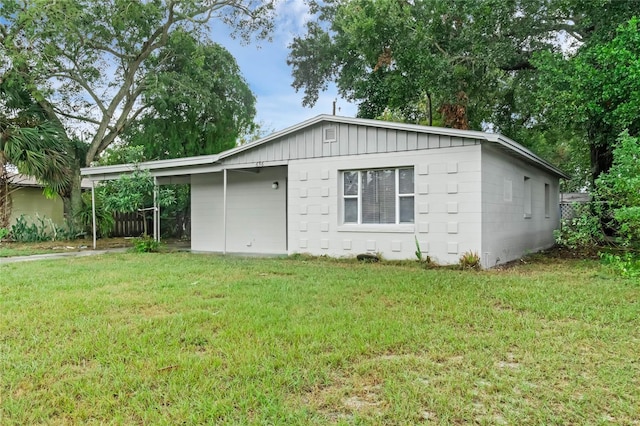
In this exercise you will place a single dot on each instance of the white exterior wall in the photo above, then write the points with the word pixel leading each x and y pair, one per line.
pixel 256 213
pixel 206 212
pixel 447 203
pixel 507 233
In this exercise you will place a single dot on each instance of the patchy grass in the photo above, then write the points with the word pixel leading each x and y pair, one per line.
pixel 9 248
pixel 193 339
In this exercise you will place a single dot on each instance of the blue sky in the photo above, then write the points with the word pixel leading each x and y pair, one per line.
pixel 264 66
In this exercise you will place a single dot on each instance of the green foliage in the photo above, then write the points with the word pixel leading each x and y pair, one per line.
pixel 418 250
pixel 212 107
pixel 626 265
pixel 29 231
pixel 597 91
pixel 133 192
pixel 3 233
pixel 30 141
pixel 484 64
pixel 583 233
pixel 620 189
pixel 103 55
pixel 104 217
pixel 146 244
pixel 470 260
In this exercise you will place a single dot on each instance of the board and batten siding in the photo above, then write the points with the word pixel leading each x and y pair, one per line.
pixel 447 206
pixel 350 140
pixel 507 232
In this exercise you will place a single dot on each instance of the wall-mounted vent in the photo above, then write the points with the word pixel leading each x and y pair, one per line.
pixel 330 134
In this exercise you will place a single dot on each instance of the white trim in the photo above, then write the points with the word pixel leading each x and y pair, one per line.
pixel 224 211
pixel 93 213
pixel 181 165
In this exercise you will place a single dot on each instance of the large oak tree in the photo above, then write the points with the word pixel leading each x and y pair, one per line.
pixel 87 63
pixel 472 62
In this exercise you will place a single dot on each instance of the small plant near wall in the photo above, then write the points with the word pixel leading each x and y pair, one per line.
pixel 418 250
pixel 3 233
pixel 423 259
pixel 470 260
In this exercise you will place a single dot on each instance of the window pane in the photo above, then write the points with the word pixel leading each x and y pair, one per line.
pixel 378 196
pixel 350 210
pixel 406 181
pixel 406 210
pixel 350 183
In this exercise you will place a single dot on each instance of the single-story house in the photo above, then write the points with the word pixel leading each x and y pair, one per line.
pixel 342 186
pixel 27 198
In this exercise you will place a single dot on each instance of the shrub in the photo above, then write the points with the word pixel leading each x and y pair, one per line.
pixel 627 265
pixel 25 231
pixel 582 233
pixel 620 188
pixel 3 233
pixel 104 217
pixel 146 244
pixel 470 260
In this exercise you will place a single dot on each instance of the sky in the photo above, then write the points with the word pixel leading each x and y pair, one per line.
pixel 264 67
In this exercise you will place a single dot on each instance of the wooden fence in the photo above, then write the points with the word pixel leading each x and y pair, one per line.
pixel 130 225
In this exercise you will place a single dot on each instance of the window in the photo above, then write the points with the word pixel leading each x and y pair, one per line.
pixel 547 200
pixel 527 197
pixel 384 196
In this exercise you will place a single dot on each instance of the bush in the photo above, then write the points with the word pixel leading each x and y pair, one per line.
pixel 627 265
pixel 620 188
pixel 146 244
pixel 24 231
pixel 3 233
pixel 105 221
pixel 582 233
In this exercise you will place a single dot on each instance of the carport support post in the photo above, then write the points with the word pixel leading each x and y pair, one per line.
pixel 224 211
pixel 156 210
pixel 93 211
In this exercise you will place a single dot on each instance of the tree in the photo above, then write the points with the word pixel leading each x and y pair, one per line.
pixel 87 63
pixel 134 192
pixel 475 60
pixel 199 103
pixel 29 142
pixel 619 188
pixel 597 91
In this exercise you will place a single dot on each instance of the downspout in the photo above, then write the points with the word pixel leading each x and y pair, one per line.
pixel 224 211
pixel 93 211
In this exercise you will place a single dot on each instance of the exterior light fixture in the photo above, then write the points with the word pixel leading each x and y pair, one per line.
pixel 274 185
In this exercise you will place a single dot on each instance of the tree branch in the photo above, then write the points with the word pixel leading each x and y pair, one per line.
pixel 76 117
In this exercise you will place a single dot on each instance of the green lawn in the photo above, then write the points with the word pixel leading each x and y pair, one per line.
pixel 193 339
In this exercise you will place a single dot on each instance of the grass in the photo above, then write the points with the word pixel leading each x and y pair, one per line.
pixel 10 248
pixel 193 339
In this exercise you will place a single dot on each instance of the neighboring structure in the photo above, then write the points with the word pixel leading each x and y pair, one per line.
pixel 571 204
pixel 28 199
pixel 342 186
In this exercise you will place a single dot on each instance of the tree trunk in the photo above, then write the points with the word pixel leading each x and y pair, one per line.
pixel 5 198
pixel 72 198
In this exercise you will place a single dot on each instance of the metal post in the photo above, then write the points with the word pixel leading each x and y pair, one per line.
pixel 93 212
pixel 224 211
pixel 155 208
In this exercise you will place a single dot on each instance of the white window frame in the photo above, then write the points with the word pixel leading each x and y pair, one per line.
pixel 527 197
pixel 398 196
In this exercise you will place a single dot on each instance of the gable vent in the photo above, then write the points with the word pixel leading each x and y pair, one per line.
pixel 329 134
